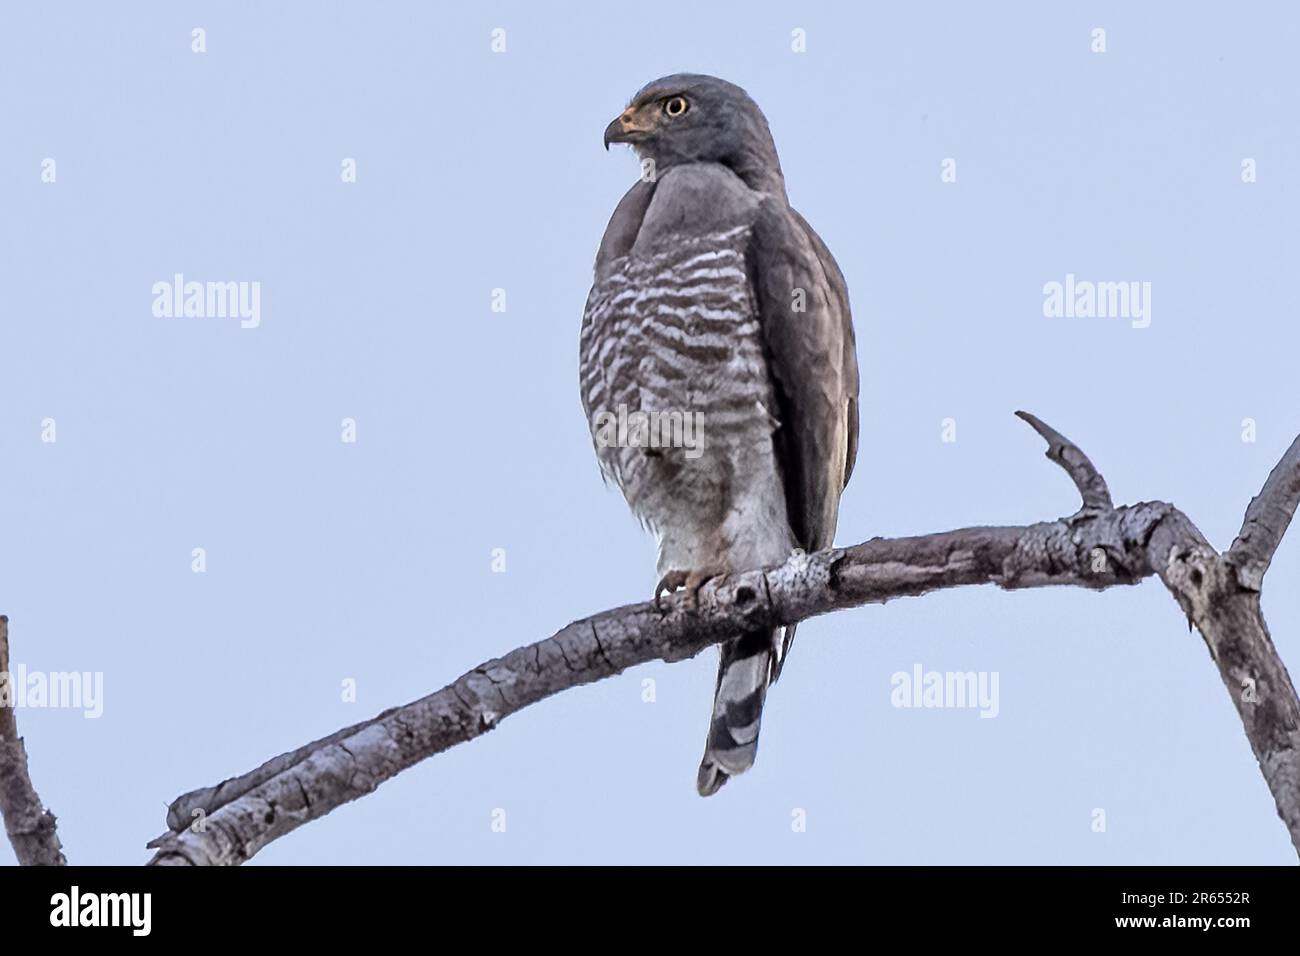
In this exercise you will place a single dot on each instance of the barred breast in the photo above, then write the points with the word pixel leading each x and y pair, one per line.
pixel 673 334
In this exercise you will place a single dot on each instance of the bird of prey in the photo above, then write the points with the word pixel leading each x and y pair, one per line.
pixel 717 305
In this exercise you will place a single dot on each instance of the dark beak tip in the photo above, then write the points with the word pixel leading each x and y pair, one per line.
pixel 615 133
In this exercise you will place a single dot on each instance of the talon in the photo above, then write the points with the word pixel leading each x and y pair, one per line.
pixel 668 583
pixel 692 581
pixel 697 579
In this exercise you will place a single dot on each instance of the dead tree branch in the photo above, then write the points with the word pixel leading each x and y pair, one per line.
pixel 1098 547
pixel 31 828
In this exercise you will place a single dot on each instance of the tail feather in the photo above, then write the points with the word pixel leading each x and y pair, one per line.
pixel 787 641
pixel 744 672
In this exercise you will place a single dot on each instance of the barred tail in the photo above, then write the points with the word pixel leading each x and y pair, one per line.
pixel 743 675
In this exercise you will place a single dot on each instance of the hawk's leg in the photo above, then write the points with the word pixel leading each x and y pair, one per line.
pixel 692 581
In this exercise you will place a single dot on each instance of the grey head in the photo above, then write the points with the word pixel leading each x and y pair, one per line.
pixel 693 118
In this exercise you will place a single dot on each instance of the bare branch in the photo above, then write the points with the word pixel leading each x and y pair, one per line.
pixel 1267 518
pixel 187 808
pixel 1098 547
pixel 31 828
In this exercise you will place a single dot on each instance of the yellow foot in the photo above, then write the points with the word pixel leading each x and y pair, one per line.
pixel 692 581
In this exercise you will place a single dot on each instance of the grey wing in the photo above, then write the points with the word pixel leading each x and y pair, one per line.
pixel 803 308
pixel 840 290
pixel 624 225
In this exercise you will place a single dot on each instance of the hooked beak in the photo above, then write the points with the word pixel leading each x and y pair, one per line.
pixel 624 129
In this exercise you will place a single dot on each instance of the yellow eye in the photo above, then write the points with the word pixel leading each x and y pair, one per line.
pixel 675 106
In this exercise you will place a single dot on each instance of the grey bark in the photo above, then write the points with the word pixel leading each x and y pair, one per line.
pixel 1100 546
pixel 32 830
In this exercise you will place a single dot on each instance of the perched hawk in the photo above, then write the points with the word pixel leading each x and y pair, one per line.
pixel 718 369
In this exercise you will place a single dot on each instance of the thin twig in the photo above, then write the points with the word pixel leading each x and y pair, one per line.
pixel 1092 487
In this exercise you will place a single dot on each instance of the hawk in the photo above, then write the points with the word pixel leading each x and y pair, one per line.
pixel 716 307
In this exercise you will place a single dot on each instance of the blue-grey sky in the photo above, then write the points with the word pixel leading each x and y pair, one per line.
pixel 372 561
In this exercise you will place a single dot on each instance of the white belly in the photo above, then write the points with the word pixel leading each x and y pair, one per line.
pixel 681 403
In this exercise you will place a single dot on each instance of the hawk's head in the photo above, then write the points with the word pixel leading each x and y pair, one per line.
pixel 690 118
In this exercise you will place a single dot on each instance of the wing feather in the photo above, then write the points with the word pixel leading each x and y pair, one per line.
pixel 808 331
